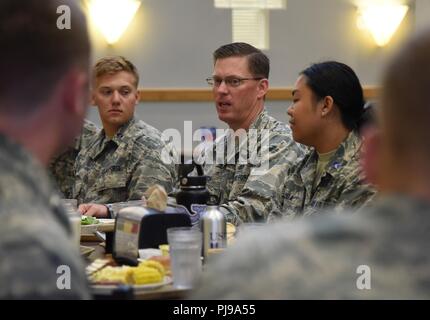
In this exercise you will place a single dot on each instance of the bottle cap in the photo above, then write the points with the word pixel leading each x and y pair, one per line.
pixel 193 181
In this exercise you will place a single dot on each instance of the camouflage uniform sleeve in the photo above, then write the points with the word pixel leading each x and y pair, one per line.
pixel 151 169
pixel 356 194
pixel 44 277
pixel 171 157
pixel 289 261
pixel 62 171
pixel 274 268
pixel 263 191
pixel 63 166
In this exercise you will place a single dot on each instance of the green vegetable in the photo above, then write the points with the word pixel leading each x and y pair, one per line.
pixel 86 220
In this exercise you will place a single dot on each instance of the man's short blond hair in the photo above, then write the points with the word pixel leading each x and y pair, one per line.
pixel 115 64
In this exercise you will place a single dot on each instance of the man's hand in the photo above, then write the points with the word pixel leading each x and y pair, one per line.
pixel 93 209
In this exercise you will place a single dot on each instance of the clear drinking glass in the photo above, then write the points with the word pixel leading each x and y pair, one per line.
pixel 185 246
pixel 117 206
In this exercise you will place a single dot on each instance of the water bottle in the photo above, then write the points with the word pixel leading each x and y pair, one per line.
pixel 214 228
pixel 193 194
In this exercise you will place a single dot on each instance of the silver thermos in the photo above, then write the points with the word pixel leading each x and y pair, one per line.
pixel 214 228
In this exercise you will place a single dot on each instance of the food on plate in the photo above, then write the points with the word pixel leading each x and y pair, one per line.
pixel 153 265
pixel 113 275
pixel 163 260
pixel 96 265
pixel 146 275
pixel 147 272
pixel 87 220
pixel 164 249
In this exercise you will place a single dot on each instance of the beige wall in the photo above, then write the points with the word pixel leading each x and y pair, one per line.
pixel 171 42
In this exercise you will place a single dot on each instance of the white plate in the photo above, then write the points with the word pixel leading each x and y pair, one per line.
pixel 145 254
pixel 104 225
pixel 106 288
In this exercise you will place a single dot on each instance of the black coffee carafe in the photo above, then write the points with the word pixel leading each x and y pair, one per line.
pixel 193 194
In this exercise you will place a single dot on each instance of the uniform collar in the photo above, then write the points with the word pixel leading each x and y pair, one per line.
pixel 102 140
pixel 348 150
pixel 123 131
pixel 258 124
pixel 260 121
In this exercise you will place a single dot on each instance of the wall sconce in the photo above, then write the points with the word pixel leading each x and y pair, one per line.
pixel 381 19
pixel 250 19
pixel 112 17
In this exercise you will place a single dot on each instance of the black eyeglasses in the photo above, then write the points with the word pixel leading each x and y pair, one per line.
pixel 229 81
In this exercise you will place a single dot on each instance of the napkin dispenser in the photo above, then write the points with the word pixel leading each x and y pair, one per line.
pixel 142 227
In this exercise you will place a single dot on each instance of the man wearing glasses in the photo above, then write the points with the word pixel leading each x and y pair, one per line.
pixel 240 83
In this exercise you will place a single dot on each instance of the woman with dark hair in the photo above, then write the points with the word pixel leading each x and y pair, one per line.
pixel 325 115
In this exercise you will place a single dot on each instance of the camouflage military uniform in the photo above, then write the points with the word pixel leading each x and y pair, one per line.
pixel 341 185
pixel 327 257
pixel 62 167
pixel 122 168
pixel 244 189
pixel 35 235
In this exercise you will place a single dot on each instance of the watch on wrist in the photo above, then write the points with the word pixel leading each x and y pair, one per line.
pixel 111 213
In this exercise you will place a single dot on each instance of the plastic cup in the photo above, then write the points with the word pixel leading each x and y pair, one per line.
pixel 71 206
pixel 117 206
pixel 185 246
pixel 75 221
